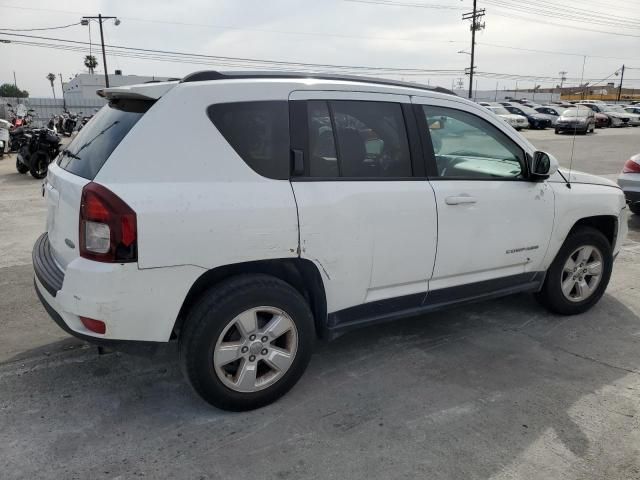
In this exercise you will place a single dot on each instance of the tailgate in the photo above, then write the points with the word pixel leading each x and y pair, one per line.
pixel 63 192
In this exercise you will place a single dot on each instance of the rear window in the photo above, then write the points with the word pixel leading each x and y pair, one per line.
pixel 258 132
pixel 86 154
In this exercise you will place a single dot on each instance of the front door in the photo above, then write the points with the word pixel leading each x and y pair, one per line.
pixel 366 211
pixel 493 222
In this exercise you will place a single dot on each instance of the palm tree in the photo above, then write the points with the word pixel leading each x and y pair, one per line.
pixel 51 77
pixel 90 62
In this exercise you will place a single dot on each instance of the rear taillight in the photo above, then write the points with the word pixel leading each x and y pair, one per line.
pixel 108 231
pixel 94 325
pixel 632 165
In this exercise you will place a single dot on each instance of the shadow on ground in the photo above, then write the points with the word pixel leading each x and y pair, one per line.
pixel 468 393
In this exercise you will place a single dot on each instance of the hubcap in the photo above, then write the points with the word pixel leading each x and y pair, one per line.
pixel 255 349
pixel 582 273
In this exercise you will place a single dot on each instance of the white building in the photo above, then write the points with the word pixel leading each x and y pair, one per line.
pixel 84 85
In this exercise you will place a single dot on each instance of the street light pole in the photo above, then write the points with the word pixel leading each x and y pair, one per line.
pixel 100 19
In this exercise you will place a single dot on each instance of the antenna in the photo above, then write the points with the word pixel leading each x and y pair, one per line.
pixel 573 142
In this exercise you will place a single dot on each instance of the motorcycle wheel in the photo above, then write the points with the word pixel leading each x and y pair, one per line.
pixel 39 166
pixel 21 167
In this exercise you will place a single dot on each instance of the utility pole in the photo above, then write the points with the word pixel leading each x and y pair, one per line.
pixel 15 84
pixel 474 16
pixel 562 79
pixel 64 102
pixel 621 79
pixel 100 19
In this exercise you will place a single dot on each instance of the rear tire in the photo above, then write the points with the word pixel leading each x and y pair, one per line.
pixel 213 328
pixel 21 167
pixel 568 301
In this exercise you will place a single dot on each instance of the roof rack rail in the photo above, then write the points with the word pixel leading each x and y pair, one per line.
pixel 205 75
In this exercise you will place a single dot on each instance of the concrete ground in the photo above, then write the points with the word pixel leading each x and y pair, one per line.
pixel 494 390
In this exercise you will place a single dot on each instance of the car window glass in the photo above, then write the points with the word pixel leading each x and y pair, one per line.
pixel 357 139
pixel 323 159
pixel 469 147
pixel 258 132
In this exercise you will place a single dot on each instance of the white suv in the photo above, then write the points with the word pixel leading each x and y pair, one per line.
pixel 292 207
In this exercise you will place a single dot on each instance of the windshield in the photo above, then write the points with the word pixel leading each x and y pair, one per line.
pixel 86 154
pixel 499 110
pixel 615 108
pixel 574 112
pixel 527 110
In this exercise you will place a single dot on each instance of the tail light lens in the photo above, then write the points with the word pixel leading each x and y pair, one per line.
pixel 632 165
pixel 94 325
pixel 108 226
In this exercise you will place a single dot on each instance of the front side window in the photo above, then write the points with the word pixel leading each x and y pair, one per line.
pixel 357 139
pixel 258 132
pixel 466 146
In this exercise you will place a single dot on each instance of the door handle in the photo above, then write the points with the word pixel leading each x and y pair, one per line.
pixel 459 200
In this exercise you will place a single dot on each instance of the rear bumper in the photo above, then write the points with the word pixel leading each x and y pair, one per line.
pixel 630 184
pixel 139 305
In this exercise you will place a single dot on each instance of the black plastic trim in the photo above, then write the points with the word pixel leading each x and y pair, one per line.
pixel 206 75
pixel 129 346
pixel 631 197
pixel 411 305
pixel 45 267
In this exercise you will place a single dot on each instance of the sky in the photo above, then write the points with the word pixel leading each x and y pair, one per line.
pixel 410 34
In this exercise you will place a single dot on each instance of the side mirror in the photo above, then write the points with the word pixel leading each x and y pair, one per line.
pixel 542 165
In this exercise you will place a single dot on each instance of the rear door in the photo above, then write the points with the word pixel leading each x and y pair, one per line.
pixel 367 214
pixel 78 165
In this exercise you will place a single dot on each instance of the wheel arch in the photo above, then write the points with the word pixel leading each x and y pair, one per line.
pixel 300 273
pixel 605 224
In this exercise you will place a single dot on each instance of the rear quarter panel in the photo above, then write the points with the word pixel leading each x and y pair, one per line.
pixel 197 202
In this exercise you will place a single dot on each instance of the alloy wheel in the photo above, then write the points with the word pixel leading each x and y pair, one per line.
pixel 255 349
pixel 582 273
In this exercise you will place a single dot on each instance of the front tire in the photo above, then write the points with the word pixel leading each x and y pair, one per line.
pixel 579 274
pixel 40 166
pixel 247 342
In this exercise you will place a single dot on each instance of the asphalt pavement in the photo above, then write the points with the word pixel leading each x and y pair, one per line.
pixel 495 390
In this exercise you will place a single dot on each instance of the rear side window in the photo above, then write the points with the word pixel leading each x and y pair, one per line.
pixel 86 154
pixel 357 139
pixel 258 132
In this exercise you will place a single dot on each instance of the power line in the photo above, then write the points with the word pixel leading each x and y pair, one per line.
pixel 42 28
pixel 398 4
pixel 551 52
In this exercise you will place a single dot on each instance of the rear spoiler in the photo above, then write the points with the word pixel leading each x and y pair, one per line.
pixel 143 91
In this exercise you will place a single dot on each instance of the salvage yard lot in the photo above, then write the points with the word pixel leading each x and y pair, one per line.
pixel 500 389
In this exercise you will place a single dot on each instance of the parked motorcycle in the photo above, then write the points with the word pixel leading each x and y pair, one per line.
pixel 4 137
pixel 35 156
pixel 18 137
pixel 20 116
pixel 66 123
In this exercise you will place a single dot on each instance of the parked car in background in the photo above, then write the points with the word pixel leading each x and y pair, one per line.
pixel 266 237
pixel 629 181
pixel 516 121
pixel 632 109
pixel 634 118
pixel 601 119
pixel 576 120
pixel 616 119
pixel 554 110
pixel 537 120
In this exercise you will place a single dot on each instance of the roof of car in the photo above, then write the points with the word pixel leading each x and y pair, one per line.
pixel 206 75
